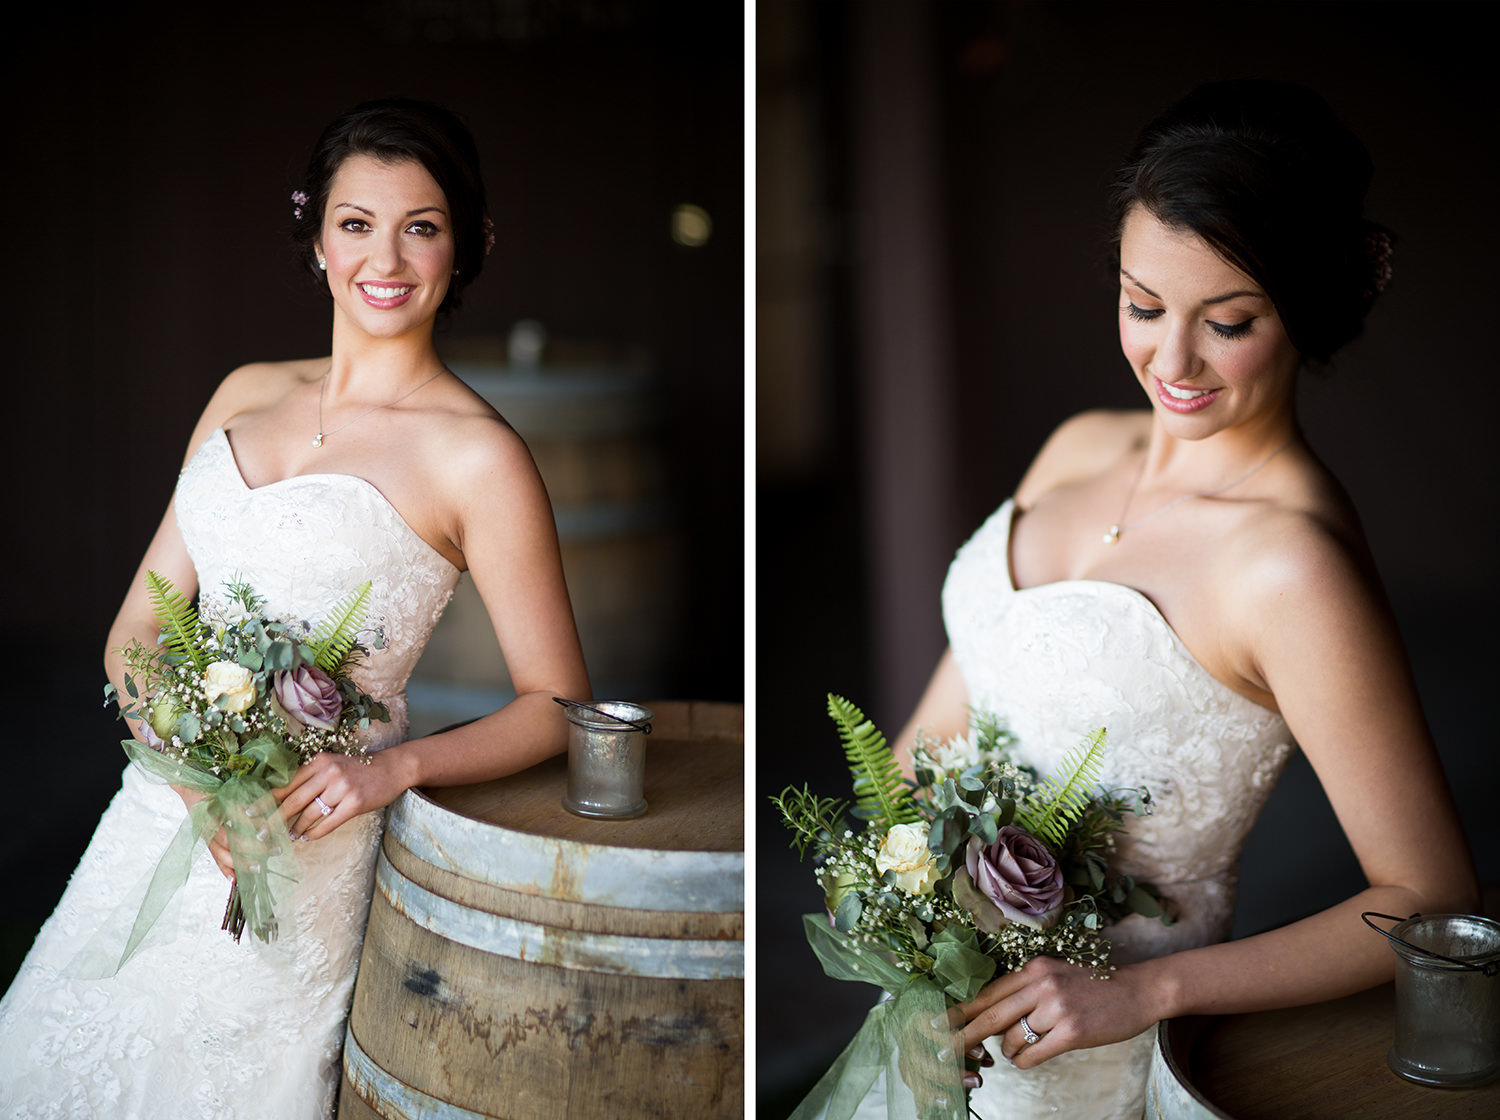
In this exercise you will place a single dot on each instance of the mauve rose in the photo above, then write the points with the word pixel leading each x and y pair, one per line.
pixel 1019 874
pixel 308 695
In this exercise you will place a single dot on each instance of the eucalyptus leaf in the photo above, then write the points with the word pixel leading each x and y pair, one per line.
pixel 1143 903
pixel 847 916
pixel 986 827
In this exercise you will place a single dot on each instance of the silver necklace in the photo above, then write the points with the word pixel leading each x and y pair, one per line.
pixel 1115 530
pixel 318 439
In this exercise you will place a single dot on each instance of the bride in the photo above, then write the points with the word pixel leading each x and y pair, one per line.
pixel 1192 578
pixel 305 478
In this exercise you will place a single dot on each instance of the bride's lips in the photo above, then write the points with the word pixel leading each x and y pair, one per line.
pixel 385 296
pixel 1184 398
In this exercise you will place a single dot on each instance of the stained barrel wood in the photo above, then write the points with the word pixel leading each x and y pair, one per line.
pixel 1325 1059
pixel 523 963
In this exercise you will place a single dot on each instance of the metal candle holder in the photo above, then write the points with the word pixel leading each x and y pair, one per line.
pixel 606 758
pixel 1447 998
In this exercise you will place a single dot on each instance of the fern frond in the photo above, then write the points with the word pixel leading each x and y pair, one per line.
pixel 178 619
pixel 1058 804
pixel 336 634
pixel 881 794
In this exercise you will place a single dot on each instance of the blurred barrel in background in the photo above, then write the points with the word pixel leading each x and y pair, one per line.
pixel 593 427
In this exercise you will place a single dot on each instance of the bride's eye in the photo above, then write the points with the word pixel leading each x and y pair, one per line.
pixel 1142 314
pixel 423 229
pixel 1231 330
pixel 354 225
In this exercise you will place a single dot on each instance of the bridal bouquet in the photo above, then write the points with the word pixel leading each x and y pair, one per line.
pixel 230 706
pixel 972 869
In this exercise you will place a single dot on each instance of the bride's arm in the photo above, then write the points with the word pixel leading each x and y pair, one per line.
pixel 942 713
pixel 1320 638
pixel 505 530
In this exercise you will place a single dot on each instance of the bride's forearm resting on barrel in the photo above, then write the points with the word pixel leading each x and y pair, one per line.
pixel 1317 635
pixel 505 530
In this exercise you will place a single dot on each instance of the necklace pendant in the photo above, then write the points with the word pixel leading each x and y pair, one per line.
pixel 318 440
pixel 1113 535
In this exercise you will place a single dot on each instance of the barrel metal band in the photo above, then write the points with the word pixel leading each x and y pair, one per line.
pixel 597 874
pixel 377 1087
pixel 673 958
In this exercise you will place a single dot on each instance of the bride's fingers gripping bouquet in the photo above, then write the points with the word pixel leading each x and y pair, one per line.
pixel 329 790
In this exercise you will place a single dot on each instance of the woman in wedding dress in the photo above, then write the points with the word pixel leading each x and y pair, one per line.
pixel 306 478
pixel 1193 579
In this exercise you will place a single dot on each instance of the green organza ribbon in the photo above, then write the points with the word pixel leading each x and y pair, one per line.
pixel 905 1041
pixel 264 868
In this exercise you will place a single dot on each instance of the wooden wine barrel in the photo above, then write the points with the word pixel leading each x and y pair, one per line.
pixel 1324 1059
pixel 524 963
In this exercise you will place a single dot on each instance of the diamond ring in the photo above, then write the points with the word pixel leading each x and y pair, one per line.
pixel 325 810
pixel 1031 1035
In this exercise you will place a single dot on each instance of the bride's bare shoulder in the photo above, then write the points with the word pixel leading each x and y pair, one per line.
pixel 254 388
pixel 1083 447
pixel 258 385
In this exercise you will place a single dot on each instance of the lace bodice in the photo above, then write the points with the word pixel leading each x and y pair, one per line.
pixel 1060 660
pixel 196 1026
pixel 307 541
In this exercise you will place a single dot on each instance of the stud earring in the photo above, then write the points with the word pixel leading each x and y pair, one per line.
pixel 322 264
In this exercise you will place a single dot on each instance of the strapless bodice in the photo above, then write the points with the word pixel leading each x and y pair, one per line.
pixel 1060 660
pixel 306 542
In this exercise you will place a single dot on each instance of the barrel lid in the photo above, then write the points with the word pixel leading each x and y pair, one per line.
pixel 686 853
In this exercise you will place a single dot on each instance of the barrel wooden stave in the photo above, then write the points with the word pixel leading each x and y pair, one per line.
pixel 556 1007
pixel 537 1040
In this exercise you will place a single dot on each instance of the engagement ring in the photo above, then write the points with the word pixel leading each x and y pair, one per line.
pixel 1031 1035
pixel 322 806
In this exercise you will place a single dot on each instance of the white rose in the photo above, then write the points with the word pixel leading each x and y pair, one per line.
pixel 234 683
pixel 957 754
pixel 904 851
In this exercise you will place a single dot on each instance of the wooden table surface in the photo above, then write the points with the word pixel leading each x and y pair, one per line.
pixel 1324 1060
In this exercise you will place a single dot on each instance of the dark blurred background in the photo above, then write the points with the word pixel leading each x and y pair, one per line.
pixel 932 300
pixel 152 150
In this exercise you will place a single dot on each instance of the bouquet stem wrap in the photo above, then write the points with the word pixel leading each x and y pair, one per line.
pixel 241 804
pixel 905 1041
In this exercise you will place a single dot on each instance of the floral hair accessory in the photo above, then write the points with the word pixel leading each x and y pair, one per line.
pixel 489 236
pixel 299 200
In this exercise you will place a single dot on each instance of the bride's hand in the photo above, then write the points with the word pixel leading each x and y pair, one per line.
pixel 1065 1005
pixel 218 843
pixel 335 788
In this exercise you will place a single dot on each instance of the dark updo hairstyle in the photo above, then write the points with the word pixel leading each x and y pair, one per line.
pixel 1275 184
pixel 394 130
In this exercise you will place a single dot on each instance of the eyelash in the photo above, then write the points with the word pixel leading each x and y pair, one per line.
pixel 419 229
pixel 1230 331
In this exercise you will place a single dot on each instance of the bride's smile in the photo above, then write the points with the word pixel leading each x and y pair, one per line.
pixel 387 246
pixel 1204 340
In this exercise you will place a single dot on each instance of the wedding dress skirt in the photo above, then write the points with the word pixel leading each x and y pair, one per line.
pixel 195 1026
pixel 1057 662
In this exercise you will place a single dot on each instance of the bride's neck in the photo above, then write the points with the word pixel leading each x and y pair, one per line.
pixel 363 365
pixel 1171 462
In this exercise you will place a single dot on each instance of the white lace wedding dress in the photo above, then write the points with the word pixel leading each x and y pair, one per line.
pixel 195 1026
pixel 1058 661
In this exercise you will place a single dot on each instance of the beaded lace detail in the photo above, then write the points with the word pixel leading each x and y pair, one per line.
pixel 194 1026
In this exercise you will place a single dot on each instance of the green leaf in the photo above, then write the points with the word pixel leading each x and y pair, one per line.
pixel 1143 903
pixel 335 636
pixel 1058 805
pixel 182 631
pixel 879 789
pixel 847 916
